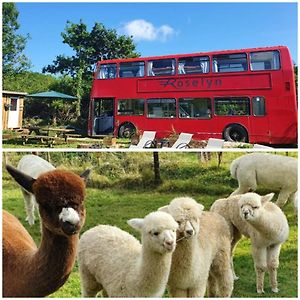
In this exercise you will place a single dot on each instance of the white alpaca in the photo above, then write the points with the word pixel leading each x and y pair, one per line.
pixel 202 255
pixel 276 172
pixel 33 166
pixel 113 261
pixel 262 221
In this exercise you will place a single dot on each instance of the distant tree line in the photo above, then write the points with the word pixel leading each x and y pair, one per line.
pixel 73 74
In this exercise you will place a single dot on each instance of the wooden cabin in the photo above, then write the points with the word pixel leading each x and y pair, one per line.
pixel 12 109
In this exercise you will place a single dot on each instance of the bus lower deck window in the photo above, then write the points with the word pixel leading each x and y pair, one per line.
pixel 161 108
pixel 232 106
pixel 258 106
pixel 131 107
pixel 199 108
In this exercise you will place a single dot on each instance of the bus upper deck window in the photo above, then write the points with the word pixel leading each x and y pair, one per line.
pixel 266 60
pixel 236 62
pixel 161 67
pixel 193 65
pixel 107 71
pixel 132 69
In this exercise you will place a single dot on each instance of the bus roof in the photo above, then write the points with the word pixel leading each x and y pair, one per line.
pixel 190 54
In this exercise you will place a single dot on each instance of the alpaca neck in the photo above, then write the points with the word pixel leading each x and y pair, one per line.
pixel 262 224
pixel 153 272
pixel 49 267
pixel 185 254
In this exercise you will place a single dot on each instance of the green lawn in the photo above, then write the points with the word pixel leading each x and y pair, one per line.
pixel 122 187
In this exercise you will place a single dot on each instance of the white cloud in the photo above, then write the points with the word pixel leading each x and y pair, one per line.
pixel 144 30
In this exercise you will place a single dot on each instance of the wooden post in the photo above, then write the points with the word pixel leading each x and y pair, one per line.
pixel 157 179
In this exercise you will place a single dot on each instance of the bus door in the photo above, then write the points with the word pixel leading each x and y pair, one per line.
pixel 103 123
pixel 260 122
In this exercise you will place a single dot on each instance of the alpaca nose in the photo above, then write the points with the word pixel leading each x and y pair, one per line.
pixel 169 245
pixel 190 232
pixel 69 228
pixel 169 242
pixel 246 213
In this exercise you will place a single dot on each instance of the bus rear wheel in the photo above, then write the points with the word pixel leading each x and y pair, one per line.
pixel 126 130
pixel 235 133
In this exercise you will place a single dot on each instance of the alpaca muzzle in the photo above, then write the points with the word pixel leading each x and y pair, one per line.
pixel 70 221
pixel 69 228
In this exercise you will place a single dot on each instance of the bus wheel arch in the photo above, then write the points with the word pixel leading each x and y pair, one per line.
pixel 126 130
pixel 235 133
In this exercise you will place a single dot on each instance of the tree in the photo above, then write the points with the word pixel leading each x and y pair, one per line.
pixel 89 47
pixel 13 44
pixel 157 178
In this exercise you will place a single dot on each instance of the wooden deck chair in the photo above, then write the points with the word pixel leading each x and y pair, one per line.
pixel 258 146
pixel 146 141
pixel 214 143
pixel 182 141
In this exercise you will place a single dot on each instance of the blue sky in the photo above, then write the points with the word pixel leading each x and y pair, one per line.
pixel 162 28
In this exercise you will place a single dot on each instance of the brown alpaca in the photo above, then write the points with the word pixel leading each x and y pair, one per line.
pixel 29 271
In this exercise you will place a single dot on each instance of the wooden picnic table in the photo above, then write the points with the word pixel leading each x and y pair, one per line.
pixel 63 132
pixel 44 133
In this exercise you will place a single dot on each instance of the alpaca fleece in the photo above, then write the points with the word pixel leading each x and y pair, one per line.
pixel 262 221
pixel 275 172
pixel 114 262
pixel 31 271
pixel 202 258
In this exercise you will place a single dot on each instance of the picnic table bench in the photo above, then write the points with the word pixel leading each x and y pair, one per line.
pixel 47 134
pixel 43 138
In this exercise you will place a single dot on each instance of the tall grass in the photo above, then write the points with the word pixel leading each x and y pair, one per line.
pixel 122 187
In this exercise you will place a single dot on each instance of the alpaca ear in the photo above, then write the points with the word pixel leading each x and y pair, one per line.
pixel 85 175
pixel 164 208
pixel 267 198
pixel 137 223
pixel 24 180
pixel 200 209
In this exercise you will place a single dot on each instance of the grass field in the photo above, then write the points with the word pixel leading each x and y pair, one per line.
pixel 122 187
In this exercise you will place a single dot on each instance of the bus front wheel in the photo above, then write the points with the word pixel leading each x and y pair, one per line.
pixel 126 130
pixel 235 133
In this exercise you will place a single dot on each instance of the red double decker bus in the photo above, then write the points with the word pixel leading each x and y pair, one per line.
pixel 238 95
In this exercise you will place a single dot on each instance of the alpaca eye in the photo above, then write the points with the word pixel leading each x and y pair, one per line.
pixel 75 206
pixel 255 207
pixel 156 233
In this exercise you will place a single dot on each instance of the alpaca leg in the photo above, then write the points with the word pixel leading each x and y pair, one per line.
pixel 240 190
pixel 222 275
pixel 178 293
pixel 212 287
pixel 283 197
pixel 260 263
pixel 246 184
pixel 89 286
pixel 273 264
pixel 198 292
pixel 236 237
pixel 29 207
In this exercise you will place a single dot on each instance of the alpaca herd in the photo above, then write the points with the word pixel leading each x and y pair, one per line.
pixel 184 249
